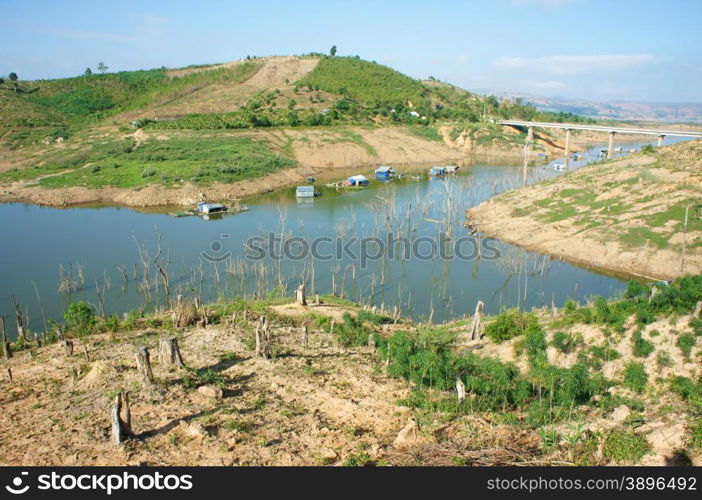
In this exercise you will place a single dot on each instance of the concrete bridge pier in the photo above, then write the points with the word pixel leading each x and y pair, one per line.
pixel 660 140
pixel 610 146
pixel 566 160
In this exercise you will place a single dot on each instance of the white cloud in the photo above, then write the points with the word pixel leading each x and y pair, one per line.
pixel 574 65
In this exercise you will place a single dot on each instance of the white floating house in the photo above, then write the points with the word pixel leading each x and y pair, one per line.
pixel 304 192
pixel 384 173
pixel 211 208
pixel 357 180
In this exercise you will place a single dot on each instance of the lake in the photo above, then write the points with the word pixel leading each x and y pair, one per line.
pixel 89 250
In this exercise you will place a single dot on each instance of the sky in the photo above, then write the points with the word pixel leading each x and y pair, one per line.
pixel 633 50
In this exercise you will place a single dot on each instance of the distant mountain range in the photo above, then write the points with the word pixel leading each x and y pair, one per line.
pixel 613 110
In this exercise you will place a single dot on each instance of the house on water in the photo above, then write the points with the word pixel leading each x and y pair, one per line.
pixel 357 180
pixel 385 173
pixel 211 208
pixel 305 192
pixel 437 171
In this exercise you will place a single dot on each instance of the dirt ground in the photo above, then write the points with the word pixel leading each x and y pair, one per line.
pixel 315 405
pixel 319 404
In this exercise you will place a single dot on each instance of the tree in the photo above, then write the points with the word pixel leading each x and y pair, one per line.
pixel 13 76
pixel 332 51
pixel 88 71
pixel 102 68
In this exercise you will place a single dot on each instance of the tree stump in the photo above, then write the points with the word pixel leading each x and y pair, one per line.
pixel 6 349
pixel 654 292
pixel 300 295
pixel 144 366
pixel 371 340
pixel 460 389
pixel 9 374
pixel 121 419
pixel 331 328
pixel 316 299
pixel 305 336
pixel 263 338
pixel 85 351
pixel 68 346
pixel 477 326
pixel 169 353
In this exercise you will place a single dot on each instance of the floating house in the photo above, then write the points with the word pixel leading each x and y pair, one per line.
pixel 437 171
pixel 211 208
pixel 305 192
pixel 451 169
pixel 385 173
pixel 357 180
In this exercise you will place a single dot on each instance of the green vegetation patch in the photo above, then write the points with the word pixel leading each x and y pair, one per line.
pixel 625 445
pixel 363 81
pixel 201 160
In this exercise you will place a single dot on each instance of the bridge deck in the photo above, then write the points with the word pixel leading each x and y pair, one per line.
pixel 597 128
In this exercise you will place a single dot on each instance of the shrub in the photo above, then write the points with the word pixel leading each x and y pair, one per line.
pixel 640 347
pixel 566 342
pixel 351 332
pixel 663 359
pixel 624 445
pixel 535 345
pixel 686 342
pixel 635 376
pixel 510 324
pixel 80 318
pixel 376 319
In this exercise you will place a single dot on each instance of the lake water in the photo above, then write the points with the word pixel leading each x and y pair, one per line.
pixel 97 247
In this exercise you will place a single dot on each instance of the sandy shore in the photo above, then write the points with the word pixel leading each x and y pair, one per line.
pixel 624 215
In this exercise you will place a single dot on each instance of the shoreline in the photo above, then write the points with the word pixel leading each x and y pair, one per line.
pixel 155 196
pixel 631 227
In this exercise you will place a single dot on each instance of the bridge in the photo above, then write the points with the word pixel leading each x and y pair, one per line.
pixel 610 129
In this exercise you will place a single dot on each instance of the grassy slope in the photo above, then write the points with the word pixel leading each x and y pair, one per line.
pixel 92 113
pixel 637 204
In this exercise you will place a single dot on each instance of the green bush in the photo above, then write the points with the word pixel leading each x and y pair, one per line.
pixel 640 347
pixel 509 324
pixel 376 319
pixel 635 376
pixel 80 318
pixel 686 342
pixel 624 445
pixel 566 342
pixel 351 332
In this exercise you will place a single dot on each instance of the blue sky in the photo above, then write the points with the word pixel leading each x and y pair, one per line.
pixel 593 49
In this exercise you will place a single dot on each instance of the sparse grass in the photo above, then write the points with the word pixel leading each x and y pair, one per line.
pixel 635 376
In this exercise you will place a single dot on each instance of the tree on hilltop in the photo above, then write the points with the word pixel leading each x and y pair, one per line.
pixel 88 71
pixel 13 77
pixel 102 68
pixel 332 51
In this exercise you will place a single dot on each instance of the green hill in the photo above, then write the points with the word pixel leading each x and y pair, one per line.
pixel 63 126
